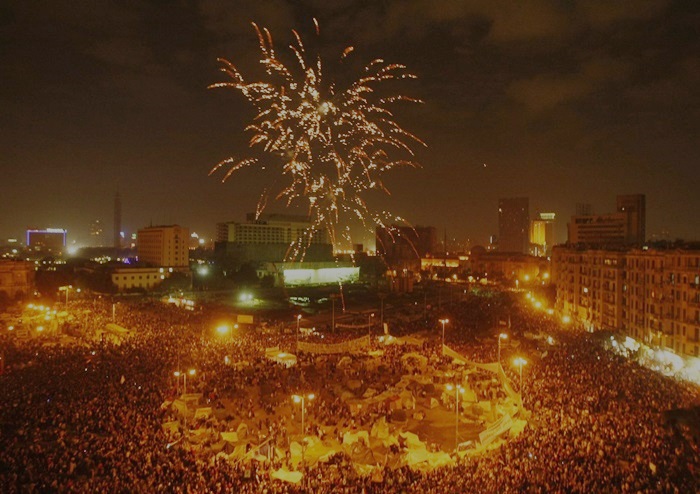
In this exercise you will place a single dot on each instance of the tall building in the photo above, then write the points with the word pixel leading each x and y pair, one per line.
pixel 402 247
pixel 270 228
pixel 513 224
pixel 634 206
pixel 49 240
pixel 650 295
pixel 273 238
pixel 117 232
pixel 542 234
pixel 96 233
pixel 625 227
pixel 165 246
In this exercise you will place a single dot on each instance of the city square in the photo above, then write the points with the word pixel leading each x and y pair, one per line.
pixel 350 246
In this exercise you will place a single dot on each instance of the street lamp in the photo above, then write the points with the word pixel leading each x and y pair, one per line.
pixel 369 324
pixel 458 389
pixel 302 399
pixel 519 361
pixel 443 321
pixel 223 329
pixel 502 336
pixel 298 322
pixel 382 296
pixel 66 288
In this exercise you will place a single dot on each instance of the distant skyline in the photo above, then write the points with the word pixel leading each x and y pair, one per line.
pixel 560 102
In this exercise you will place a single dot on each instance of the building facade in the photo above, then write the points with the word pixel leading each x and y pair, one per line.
pixel 650 295
pixel 49 240
pixel 16 278
pixel 542 234
pixel 130 279
pixel 514 224
pixel 163 246
pixel 273 238
pixel 625 227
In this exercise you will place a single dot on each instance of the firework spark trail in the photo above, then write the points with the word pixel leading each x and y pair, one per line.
pixel 331 145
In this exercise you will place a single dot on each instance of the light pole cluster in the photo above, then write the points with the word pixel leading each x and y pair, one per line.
pixel 459 390
pixel 520 362
pixel 302 399
pixel 183 374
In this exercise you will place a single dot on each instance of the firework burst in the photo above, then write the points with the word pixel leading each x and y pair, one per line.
pixel 329 145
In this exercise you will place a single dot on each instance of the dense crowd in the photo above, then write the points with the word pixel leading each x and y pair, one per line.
pixel 87 417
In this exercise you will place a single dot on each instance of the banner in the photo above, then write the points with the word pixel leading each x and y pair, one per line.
pixel 493 367
pixel 497 428
pixel 352 346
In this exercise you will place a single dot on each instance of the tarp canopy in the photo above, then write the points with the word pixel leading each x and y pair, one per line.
pixel 380 429
pixel 171 427
pixel 203 413
pixel 287 476
pixel 360 453
pixel 242 430
pixel 353 437
pixel 230 437
pixel 117 329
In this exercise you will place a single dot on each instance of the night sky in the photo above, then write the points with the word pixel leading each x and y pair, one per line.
pixel 559 101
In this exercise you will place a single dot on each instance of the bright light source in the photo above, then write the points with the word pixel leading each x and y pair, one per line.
pixel 566 319
pixel 519 361
pixel 192 372
pixel 223 329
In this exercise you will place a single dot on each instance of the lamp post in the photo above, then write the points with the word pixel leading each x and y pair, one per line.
pixel 382 296
pixel 302 399
pixel 519 361
pixel 333 297
pixel 502 336
pixel 443 321
pixel 458 389
pixel 369 324
pixel 298 322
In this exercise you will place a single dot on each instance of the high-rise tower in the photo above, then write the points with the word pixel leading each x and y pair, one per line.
pixel 513 224
pixel 117 221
